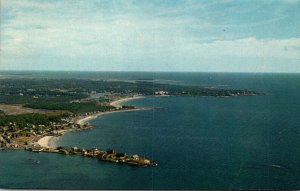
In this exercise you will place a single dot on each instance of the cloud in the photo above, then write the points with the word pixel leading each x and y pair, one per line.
pixel 139 35
pixel 292 1
pixel 252 47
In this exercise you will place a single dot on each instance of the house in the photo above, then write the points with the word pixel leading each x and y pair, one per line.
pixel 95 151
pixel 161 93
pixel 135 157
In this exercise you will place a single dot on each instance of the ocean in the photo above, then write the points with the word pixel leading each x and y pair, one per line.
pixel 248 142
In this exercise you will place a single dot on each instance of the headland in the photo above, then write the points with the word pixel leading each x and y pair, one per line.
pixel 35 112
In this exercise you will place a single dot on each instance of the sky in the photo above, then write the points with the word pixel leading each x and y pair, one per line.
pixel 151 35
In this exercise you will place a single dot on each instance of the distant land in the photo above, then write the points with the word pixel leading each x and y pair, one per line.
pixel 32 109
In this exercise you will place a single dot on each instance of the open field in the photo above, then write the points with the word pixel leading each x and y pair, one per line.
pixel 17 109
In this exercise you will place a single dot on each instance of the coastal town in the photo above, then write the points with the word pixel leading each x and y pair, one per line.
pixel 36 138
pixel 34 111
pixel 12 137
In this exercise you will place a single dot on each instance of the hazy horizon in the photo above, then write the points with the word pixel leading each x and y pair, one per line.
pixel 148 71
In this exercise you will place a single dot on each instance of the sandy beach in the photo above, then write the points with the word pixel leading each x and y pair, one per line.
pixel 84 120
pixel 118 103
pixel 47 141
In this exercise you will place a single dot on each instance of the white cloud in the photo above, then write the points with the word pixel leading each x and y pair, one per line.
pixel 292 1
pixel 56 32
pixel 252 47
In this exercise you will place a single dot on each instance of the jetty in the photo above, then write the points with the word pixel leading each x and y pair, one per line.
pixel 109 155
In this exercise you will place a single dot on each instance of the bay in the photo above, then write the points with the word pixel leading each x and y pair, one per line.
pixel 199 142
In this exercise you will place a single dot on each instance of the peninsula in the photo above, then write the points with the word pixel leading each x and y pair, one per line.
pixel 34 111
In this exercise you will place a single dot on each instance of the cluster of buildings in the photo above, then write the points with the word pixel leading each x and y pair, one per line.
pixel 161 93
pixel 13 137
pixel 109 155
pixel 112 156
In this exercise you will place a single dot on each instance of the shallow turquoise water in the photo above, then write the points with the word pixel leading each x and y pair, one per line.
pixel 199 142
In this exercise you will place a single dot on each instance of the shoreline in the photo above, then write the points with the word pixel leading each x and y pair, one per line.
pixel 48 141
pixel 117 103
pixel 84 120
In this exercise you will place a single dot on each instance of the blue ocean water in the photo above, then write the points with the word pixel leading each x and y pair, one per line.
pixel 199 142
